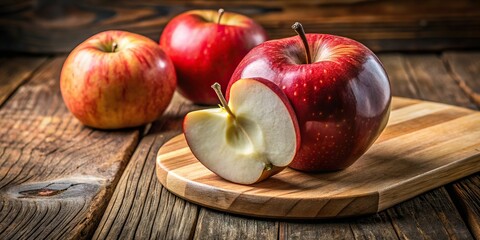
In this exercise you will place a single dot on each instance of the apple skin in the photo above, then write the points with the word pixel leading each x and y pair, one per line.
pixel 342 99
pixel 129 87
pixel 205 52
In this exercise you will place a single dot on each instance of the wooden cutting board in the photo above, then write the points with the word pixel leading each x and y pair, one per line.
pixel 424 146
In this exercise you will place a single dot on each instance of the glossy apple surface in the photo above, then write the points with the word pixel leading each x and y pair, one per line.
pixel 117 79
pixel 242 142
pixel 341 99
pixel 204 51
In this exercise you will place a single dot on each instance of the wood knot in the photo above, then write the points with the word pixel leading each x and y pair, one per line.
pixel 77 187
pixel 51 189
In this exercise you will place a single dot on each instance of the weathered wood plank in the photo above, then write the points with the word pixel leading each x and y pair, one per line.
pixel 218 225
pixel 58 26
pixel 140 207
pixel 465 69
pixel 429 216
pixel 56 176
pixel 424 76
pixel 316 230
pixel 14 71
pixel 376 226
pixel 434 81
pixel 467 194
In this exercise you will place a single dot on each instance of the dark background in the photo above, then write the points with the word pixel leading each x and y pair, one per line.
pixel 56 26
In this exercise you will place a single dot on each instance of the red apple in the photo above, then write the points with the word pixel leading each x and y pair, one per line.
pixel 341 94
pixel 241 141
pixel 117 79
pixel 205 47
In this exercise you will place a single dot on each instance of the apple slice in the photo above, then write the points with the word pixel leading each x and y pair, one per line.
pixel 253 137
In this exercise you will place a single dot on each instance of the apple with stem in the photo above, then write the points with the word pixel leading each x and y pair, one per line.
pixel 117 79
pixel 252 137
pixel 338 88
pixel 206 47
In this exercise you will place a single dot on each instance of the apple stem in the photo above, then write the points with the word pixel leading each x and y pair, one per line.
pixel 114 46
pixel 299 30
pixel 220 14
pixel 218 90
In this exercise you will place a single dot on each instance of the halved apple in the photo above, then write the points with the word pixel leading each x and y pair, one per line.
pixel 253 137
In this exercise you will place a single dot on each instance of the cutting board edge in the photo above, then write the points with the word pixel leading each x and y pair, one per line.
pixel 388 198
pixel 178 187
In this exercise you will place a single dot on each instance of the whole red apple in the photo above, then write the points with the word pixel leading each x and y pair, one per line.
pixel 206 47
pixel 338 88
pixel 117 79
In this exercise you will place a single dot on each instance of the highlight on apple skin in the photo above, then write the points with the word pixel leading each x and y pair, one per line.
pixel 341 97
pixel 206 47
pixel 252 137
pixel 117 79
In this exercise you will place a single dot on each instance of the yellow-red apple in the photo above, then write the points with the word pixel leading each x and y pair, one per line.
pixel 117 79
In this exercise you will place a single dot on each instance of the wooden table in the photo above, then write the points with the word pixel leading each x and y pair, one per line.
pixel 59 179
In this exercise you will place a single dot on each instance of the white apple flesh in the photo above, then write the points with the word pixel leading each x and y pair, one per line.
pixel 253 137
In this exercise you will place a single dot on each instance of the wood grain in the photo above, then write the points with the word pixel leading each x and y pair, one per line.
pixel 218 225
pixel 56 176
pixel 393 170
pixel 140 207
pixel 434 81
pixel 13 72
pixel 464 68
pixel 57 26
pixel 430 211
pixel 467 193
